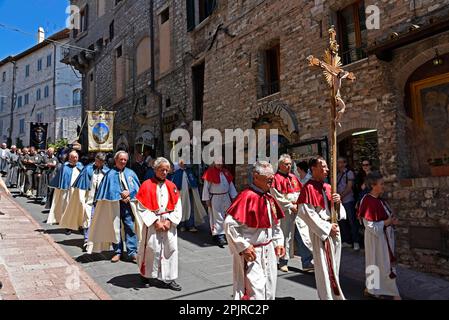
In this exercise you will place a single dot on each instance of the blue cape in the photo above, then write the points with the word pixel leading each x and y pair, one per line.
pixel 84 180
pixel 150 174
pixel 111 187
pixel 63 176
pixel 176 177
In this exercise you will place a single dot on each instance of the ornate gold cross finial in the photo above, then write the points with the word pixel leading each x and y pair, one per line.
pixel 334 74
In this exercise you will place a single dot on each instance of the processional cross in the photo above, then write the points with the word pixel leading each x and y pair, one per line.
pixel 334 75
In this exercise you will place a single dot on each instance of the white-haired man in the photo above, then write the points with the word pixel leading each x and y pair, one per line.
pixel 4 154
pixel 161 211
pixel 255 238
pixel 116 205
pixel 62 184
pixel 285 190
pixel 218 192
pixel 12 179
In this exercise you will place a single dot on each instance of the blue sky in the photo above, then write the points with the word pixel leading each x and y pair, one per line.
pixel 28 15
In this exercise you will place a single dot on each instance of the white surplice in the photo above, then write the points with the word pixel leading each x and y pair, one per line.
pixel 377 258
pixel 61 199
pixel 159 250
pixel 319 222
pixel 260 278
pixel 220 195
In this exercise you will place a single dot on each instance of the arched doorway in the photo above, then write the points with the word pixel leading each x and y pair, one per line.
pixel 427 108
pixel 358 144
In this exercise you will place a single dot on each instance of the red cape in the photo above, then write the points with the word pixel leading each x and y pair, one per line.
pixel 312 193
pixel 147 195
pixel 212 175
pixel 371 209
pixel 286 183
pixel 250 209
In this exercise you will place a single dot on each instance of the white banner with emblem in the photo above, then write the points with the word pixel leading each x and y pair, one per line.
pixel 101 130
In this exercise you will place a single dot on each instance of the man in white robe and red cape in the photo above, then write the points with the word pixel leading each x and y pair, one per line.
pixel 314 206
pixel 159 205
pixel 285 190
pixel 252 227
pixel 62 185
pixel 218 192
pixel 379 223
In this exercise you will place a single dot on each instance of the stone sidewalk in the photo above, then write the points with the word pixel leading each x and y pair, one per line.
pixel 33 266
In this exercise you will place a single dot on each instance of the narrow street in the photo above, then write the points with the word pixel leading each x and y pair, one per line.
pixel 205 270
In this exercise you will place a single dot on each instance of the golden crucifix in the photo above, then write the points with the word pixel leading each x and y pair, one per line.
pixel 334 75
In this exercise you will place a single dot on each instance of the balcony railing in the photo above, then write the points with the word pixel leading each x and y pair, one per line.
pixel 269 89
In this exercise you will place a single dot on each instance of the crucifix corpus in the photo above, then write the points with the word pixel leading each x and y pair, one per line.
pixel 334 74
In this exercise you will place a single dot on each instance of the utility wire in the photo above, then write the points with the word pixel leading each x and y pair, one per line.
pixel 4 26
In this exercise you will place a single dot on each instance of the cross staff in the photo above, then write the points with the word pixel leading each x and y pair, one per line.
pixel 334 75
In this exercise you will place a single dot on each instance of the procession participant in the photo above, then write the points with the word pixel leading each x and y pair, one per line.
pixel 54 163
pixel 48 169
pixel 160 206
pixel 315 209
pixel 379 224
pixel 285 190
pixel 80 210
pixel 255 237
pixel 218 192
pixel 13 169
pixel 62 185
pixel 192 207
pixel 139 166
pixel 22 178
pixel 150 170
pixel 116 205
pixel 4 153
pixel 31 162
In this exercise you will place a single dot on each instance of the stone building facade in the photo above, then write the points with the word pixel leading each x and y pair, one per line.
pixel 242 64
pixel 117 73
pixel 236 41
pixel 42 90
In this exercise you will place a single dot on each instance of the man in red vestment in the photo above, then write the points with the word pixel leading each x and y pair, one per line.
pixel 252 227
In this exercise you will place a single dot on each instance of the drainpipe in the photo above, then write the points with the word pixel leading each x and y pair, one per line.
pixel 13 101
pixel 153 84
pixel 54 95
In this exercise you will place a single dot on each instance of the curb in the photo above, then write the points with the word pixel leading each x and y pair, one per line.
pixel 93 286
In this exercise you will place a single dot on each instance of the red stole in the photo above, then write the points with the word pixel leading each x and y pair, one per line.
pixel 371 209
pixel 312 193
pixel 286 183
pixel 212 175
pixel 250 209
pixel 147 195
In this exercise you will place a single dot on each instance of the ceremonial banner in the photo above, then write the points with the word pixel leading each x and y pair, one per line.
pixel 101 128
pixel 38 135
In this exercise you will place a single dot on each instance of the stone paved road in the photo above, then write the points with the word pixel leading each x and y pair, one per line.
pixel 205 270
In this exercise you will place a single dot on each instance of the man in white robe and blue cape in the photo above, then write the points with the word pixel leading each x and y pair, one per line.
pixel 80 209
pixel 62 184
pixel 115 205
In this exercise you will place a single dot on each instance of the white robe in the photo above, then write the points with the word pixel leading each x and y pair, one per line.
pixel 220 196
pixel 158 251
pixel 288 224
pixel 261 276
pixel 318 221
pixel 61 200
pixel 377 259
pixel 198 209
pixel 106 223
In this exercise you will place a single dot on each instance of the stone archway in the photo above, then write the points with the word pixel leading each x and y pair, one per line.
pixel 404 73
pixel 277 115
